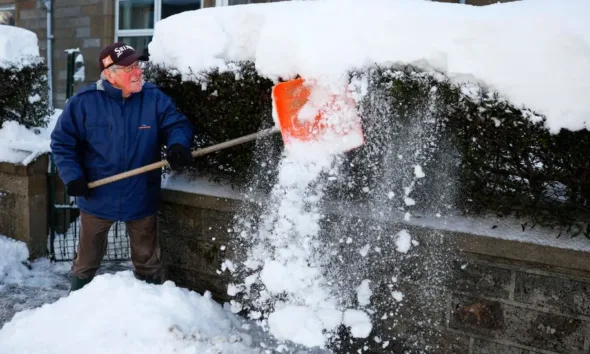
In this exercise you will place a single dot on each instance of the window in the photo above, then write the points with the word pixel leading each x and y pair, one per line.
pixel 233 2
pixel 172 7
pixel 135 19
pixel 7 15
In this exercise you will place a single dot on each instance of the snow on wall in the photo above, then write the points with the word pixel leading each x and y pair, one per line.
pixel 535 53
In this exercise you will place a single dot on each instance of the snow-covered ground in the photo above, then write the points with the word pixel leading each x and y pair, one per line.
pixel 24 285
pixel 115 313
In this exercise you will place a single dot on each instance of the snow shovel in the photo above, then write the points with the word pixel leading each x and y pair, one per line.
pixel 317 117
pixel 305 118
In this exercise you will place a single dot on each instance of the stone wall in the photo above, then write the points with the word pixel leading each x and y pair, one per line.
pixel 24 204
pixel 193 229
pixel 462 293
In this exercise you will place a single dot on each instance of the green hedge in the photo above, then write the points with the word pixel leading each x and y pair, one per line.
pixel 479 153
pixel 24 93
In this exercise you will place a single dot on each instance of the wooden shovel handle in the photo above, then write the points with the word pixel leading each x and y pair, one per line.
pixel 195 153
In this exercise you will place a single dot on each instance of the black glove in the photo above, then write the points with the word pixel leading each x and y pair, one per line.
pixel 178 156
pixel 78 188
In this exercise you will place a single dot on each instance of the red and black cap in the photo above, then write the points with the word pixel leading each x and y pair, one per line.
pixel 119 53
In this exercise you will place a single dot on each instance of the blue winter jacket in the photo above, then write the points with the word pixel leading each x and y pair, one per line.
pixel 100 134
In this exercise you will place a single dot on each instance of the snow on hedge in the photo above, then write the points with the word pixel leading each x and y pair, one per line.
pixel 17 44
pixel 19 145
pixel 536 53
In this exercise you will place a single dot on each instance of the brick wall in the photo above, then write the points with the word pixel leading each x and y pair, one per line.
pixel 463 293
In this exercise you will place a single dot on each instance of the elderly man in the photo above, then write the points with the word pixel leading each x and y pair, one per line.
pixel 114 125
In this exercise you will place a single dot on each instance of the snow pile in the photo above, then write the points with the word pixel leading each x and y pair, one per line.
pixel 17 44
pixel 15 268
pixel 533 52
pixel 12 263
pixel 116 313
pixel 20 145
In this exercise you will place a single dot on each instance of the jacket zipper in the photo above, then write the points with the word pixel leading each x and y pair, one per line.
pixel 124 147
pixel 124 132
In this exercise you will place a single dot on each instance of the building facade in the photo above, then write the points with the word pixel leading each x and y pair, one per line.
pixel 89 25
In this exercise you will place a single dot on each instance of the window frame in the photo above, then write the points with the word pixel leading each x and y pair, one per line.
pixel 10 7
pixel 140 32
pixel 219 3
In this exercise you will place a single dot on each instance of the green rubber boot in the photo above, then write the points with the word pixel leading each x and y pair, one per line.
pixel 78 283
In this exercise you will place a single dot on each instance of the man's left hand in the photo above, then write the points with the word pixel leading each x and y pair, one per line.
pixel 178 156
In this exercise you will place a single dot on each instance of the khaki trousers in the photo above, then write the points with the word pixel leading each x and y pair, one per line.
pixel 143 237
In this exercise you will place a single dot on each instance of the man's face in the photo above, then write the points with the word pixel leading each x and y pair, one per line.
pixel 127 78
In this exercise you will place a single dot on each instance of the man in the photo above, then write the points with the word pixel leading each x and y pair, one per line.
pixel 114 125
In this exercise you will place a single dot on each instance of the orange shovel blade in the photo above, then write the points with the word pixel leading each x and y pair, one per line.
pixel 332 123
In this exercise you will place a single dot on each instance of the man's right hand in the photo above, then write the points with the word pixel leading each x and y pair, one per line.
pixel 78 188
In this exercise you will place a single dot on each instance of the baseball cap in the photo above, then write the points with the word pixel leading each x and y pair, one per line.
pixel 119 53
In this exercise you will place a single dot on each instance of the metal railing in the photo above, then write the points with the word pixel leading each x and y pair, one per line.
pixel 64 226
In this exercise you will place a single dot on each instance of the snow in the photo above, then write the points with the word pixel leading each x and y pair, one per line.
pixel 199 185
pixel 11 268
pixel 25 284
pixel 403 241
pixel 141 318
pixel 364 293
pixel 17 46
pixel 397 295
pixel 535 53
pixel 359 322
pixel 284 263
pixel 286 323
pixel 15 269
pixel 19 145
pixel 115 313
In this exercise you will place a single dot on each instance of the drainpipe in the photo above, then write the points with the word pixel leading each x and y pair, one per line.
pixel 49 6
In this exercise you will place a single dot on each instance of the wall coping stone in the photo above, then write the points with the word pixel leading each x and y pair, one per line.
pixel 510 250
pixel 36 167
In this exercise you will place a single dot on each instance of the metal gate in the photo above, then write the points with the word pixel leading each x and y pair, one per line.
pixel 64 225
pixel 64 215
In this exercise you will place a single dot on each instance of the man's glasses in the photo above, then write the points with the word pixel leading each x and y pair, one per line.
pixel 129 68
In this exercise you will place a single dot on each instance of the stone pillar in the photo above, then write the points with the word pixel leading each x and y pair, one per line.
pixel 24 204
